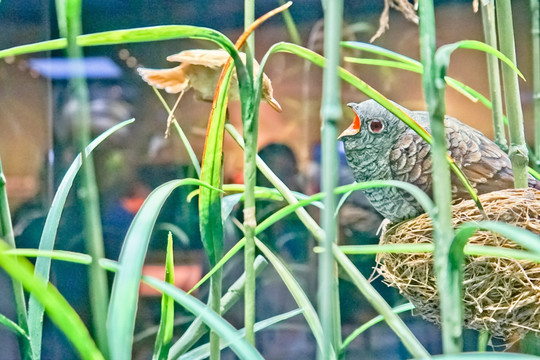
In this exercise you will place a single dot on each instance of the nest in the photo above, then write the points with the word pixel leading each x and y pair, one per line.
pixel 501 295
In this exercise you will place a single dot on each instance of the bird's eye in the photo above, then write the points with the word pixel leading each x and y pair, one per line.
pixel 376 126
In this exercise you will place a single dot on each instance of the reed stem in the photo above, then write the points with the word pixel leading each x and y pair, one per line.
pixel 331 114
pixel 434 92
pixel 518 152
pixel 494 77
pixel 6 234
pixel 251 130
pixel 88 193
pixel 535 35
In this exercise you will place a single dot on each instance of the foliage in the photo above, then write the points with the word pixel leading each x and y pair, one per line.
pixel 449 248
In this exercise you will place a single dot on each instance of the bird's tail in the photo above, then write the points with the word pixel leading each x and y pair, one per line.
pixel 172 80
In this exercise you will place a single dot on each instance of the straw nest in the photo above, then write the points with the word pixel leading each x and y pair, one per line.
pixel 501 295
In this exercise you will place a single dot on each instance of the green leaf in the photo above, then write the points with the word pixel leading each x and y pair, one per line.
pixel 124 295
pixel 166 323
pixel 381 51
pixel 58 309
pixel 418 194
pixel 472 250
pixel 210 202
pixel 522 237
pixel 385 63
pixel 239 245
pixel 442 56
pixel 203 351
pixel 144 34
pixel 225 330
pixel 397 310
pixel 14 328
pixel 50 229
pixel 297 293
pixel 196 330
pixel 61 255
pixel 410 342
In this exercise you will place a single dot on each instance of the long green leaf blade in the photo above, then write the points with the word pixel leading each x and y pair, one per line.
pixel 203 351
pixel 225 330
pixel 298 294
pixel 166 323
pixel 58 309
pixel 397 310
pixel 145 34
pixel 50 229
pixel 124 296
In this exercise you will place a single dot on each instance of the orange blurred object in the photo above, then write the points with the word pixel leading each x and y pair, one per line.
pixel 185 277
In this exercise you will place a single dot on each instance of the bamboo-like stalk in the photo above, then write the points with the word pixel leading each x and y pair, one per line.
pixel 250 169
pixel 331 114
pixel 434 92
pixel 518 149
pixel 6 233
pixel 494 77
pixel 535 35
pixel 89 195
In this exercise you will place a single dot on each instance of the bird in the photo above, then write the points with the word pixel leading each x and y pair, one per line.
pixel 379 146
pixel 200 69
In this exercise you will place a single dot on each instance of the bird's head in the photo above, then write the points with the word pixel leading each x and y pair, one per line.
pixel 372 127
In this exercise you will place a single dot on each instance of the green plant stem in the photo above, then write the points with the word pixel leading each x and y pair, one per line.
pixel 88 193
pixel 434 92
pixel 250 127
pixel 291 26
pixel 535 34
pixel 483 339
pixel 375 299
pixel 490 36
pixel 331 114
pixel 518 150
pixel 6 233
pixel 197 329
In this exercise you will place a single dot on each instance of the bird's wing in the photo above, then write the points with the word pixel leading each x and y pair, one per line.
pixel 410 160
pixel 208 58
pixel 487 167
pixel 172 80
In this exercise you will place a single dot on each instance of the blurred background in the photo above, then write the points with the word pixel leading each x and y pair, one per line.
pixel 37 144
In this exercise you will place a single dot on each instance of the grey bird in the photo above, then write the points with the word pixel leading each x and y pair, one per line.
pixel 379 146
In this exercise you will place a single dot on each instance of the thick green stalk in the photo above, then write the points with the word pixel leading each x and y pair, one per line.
pixel 331 113
pixel 6 233
pixel 434 92
pixel 518 149
pixel 250 169
pixel 535 34
pixel 88 194
pixel 490 36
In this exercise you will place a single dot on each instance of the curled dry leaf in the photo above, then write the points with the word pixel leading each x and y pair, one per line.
pixel 200 70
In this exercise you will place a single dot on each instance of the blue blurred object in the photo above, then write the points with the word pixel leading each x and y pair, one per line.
pixel 97 67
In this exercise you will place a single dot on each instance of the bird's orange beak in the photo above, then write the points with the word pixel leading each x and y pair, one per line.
pixel 353 129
